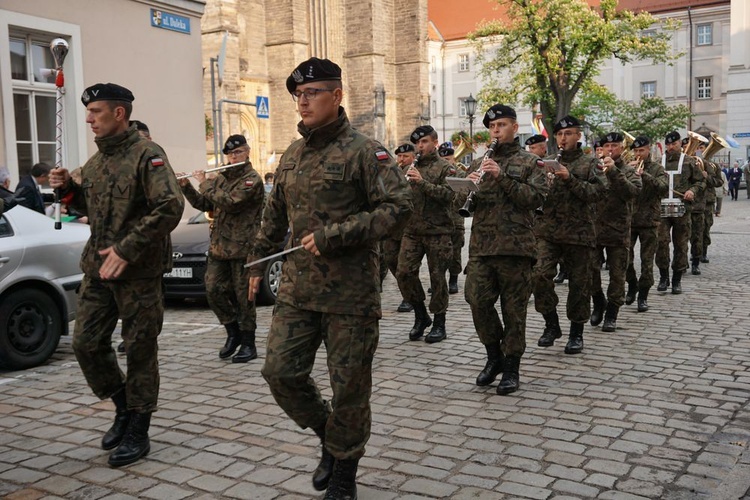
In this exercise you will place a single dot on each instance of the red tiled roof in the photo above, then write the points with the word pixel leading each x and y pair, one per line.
pixel 454 20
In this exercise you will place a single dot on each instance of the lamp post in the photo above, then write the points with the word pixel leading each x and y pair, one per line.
pixel 471 108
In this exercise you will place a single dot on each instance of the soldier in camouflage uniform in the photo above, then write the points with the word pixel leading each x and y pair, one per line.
pixel 646 219
pixel 502 248
pixel 428 232
pixel 614 214
pixel 697 217
pixel 339 193
pixel 686 183
pixel 712 176
pixel 458 236
pixel 567 233
pixel 235 197
pixel 133 202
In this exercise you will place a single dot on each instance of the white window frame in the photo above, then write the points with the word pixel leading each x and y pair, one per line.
pixel 706 37
pixel 645 93
pixel 464 63
pixel 462 107
pixel 704 87
pixel 74 125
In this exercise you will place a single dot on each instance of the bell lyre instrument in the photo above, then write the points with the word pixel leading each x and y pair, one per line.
pixel 468 208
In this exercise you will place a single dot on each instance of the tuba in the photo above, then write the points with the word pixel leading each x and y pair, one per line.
pixel 694 140
pixel 716 144
pixel 627 154
pixel 464 148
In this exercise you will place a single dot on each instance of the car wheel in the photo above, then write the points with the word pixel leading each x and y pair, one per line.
pixel 30 329
pixel 269 286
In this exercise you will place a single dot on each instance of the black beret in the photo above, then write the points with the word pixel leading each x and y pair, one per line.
pixel 566 122
pixel 685 141
pixel 405 148
pixel 234 142
pixel 139 125
pixel 446 149
pixel 597 143
pixel 313 70
pixel 612 137
pixel 672 137
pixel 535 139
pixel 640 141
pixel 106 92
pixel 420 132
pixel 498 111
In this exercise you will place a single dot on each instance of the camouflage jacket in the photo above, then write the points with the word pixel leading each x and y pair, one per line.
pixel 570 207
pixel 133 201
pixel 615 207
pixel 713 181
pixel 503 222
pixel 236 198
pixel 458 199
pixel 688 179
pixel 432 198
pixel 346 190
pixel 647 211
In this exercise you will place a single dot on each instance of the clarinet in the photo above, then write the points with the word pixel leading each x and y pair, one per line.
pixel 413 165
pixel 468 208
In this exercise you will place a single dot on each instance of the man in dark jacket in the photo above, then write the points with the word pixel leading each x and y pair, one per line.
pixel 30 186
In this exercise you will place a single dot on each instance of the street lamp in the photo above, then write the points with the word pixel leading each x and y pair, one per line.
pixel 471 108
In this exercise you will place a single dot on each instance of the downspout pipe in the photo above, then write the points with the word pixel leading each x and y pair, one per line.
pixel 690 68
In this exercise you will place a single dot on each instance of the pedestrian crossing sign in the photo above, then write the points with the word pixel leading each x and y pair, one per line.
pixel 261 106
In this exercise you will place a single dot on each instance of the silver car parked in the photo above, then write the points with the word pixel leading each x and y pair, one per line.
pixel 39 275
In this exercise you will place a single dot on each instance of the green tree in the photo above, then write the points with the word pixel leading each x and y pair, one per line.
pixel 547 51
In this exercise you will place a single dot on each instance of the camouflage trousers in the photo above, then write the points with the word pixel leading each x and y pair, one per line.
pixel 698 226
pixel 438 249
pixel 617 261
pixel 226 291
pixel 507 278
pixel 677 231
pixel 708 222
pixel 648 239
pixel 458 239
pixel 391 248
pixel 139 304
pixel 578 260
pixel 293 340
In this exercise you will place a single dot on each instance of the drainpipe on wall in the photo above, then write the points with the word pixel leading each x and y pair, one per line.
pixel 442 83
pixel 690 69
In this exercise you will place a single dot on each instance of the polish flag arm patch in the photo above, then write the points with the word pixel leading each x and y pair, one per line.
pixel 157 162
pixel 382 155
pixel 248 183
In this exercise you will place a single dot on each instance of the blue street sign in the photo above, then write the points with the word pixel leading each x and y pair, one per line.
pixel 172 22
pixel 741 134
pixel 261 105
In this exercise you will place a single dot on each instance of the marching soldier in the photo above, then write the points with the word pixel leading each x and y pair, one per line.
pixel 685 183
pixel 339 193
pixel 235 197
pixel 458 236
pixel 614 214
pixel 712 175
pixel 646 219
pixel 697 214
pixel 428 232
pixel 537 145
pixel 567 233
pixel 502 248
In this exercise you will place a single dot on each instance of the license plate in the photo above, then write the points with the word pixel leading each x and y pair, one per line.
pixel 180 272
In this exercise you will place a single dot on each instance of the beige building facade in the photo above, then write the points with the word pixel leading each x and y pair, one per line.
pixel 379 44
pixel 151 47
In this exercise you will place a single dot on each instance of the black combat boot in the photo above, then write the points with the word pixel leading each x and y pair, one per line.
pixel 597 313
pixel 695 269
pixel 552 330
pixel 405 307
pixel 324 470
pixel 234 338
pixel 453 284
pixel 121 347
pixel 438 330
pixel 493 367
pixel 663 280
pixel 114 435
pixel 510 381
pixel 632 290
pixel 704 257
pixel 575 339
pixel 343 484
pixel 610 318
pixel 421 321
pixel 642 298
pixel 135 444
pixel 676 282
pixel 561 276
pixel 247 350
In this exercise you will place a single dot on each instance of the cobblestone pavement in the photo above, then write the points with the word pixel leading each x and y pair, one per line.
pixel 658 409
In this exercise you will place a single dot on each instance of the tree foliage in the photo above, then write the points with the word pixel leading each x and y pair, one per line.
pixel 547 51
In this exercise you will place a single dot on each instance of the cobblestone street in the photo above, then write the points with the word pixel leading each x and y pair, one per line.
pixel 659 410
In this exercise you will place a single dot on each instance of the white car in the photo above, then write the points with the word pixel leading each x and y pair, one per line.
pixel 39 275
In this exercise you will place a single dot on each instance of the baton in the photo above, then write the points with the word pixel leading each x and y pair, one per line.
pixel 273 256
pixel 59 49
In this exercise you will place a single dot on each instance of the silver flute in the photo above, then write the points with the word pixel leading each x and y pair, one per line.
pixel 217 169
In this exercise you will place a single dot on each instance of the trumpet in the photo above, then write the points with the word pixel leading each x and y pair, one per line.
pixel 217 169
pixel 468 208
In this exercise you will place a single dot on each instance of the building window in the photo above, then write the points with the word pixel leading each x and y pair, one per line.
pixel 433 65
pixel 648 89
pixel 705 34
pixel 462 107
pixel 704 87
pixel 34 96
pixel 434 108
pixel 648 33
pixel 463 62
